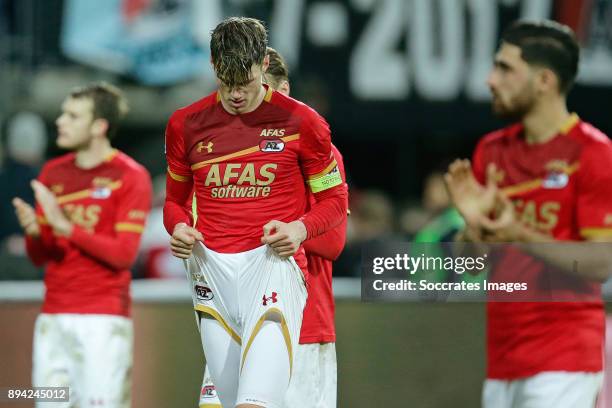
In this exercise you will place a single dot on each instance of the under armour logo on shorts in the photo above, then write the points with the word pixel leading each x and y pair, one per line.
pixel 273 298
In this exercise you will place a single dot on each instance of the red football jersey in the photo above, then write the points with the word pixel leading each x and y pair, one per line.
pixel 88 272
pixel 562 188
pixel 318 322
pixel 247 169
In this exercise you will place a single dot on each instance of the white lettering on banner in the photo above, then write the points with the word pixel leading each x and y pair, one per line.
pixel 436 62
pixel 376 69
pixel 438 59
pixel 286 29
pixel 433 49
pixel 483 20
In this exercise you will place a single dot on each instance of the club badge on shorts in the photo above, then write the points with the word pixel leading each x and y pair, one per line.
pixel 203 292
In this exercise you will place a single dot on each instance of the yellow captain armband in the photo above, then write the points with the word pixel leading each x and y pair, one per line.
pixel 328 178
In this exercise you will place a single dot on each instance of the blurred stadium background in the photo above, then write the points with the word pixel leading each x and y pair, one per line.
pixel 402 83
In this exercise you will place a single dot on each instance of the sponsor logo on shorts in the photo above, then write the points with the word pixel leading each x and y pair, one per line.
pixel 203 292
pixel 271 145
pixel 208 391
pixel 270 299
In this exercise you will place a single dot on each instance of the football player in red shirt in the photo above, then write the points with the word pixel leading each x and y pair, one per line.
pixel 314 378
pixel 549 175
pixel 91 207
pixel 251 153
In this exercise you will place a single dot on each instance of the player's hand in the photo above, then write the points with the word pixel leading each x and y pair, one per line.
pixel 183 239
pixel 27 217
pixel 284 238
pixel 504 227
pixel 470 198
pixel 469 234
pixel 53 212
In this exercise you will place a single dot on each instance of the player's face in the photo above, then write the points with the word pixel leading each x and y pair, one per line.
pixel 247 97
pixel 283 87
pixel 74 125
pixel 511 83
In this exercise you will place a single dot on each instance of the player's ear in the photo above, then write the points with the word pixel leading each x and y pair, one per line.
pixel 99 127
pixel 265 64
pixel 547 80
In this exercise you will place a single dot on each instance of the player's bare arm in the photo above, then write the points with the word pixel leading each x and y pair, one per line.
pixel 183 239
pixel 594 261
pixel 26 217
pixel 53 213
pixel 284 238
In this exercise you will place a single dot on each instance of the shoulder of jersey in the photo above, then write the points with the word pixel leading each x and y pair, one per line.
pixel 500 136
pixel 199 105
pixel 129 164
pixel 64 159
pixel 293 105
pixel 588 134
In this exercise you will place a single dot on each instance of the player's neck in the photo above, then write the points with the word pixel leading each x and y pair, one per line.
pixel 545 120
pixel 94 154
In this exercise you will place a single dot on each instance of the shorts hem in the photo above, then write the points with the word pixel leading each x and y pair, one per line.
pixel 249 400
pixel 317 339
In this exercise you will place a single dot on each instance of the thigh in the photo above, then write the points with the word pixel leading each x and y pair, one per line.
pixel 307 378
pixel 265 368
pixel 208 392
pixel 272 289
pixel 222 352
pixel 560 389
pixel 272 299
pixel 52 366
pixel 329 375
pixel 107 343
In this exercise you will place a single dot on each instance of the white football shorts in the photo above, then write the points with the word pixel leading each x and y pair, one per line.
pixel 314 380
pixel 250 306
pixel 552 389
pixel 91 354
